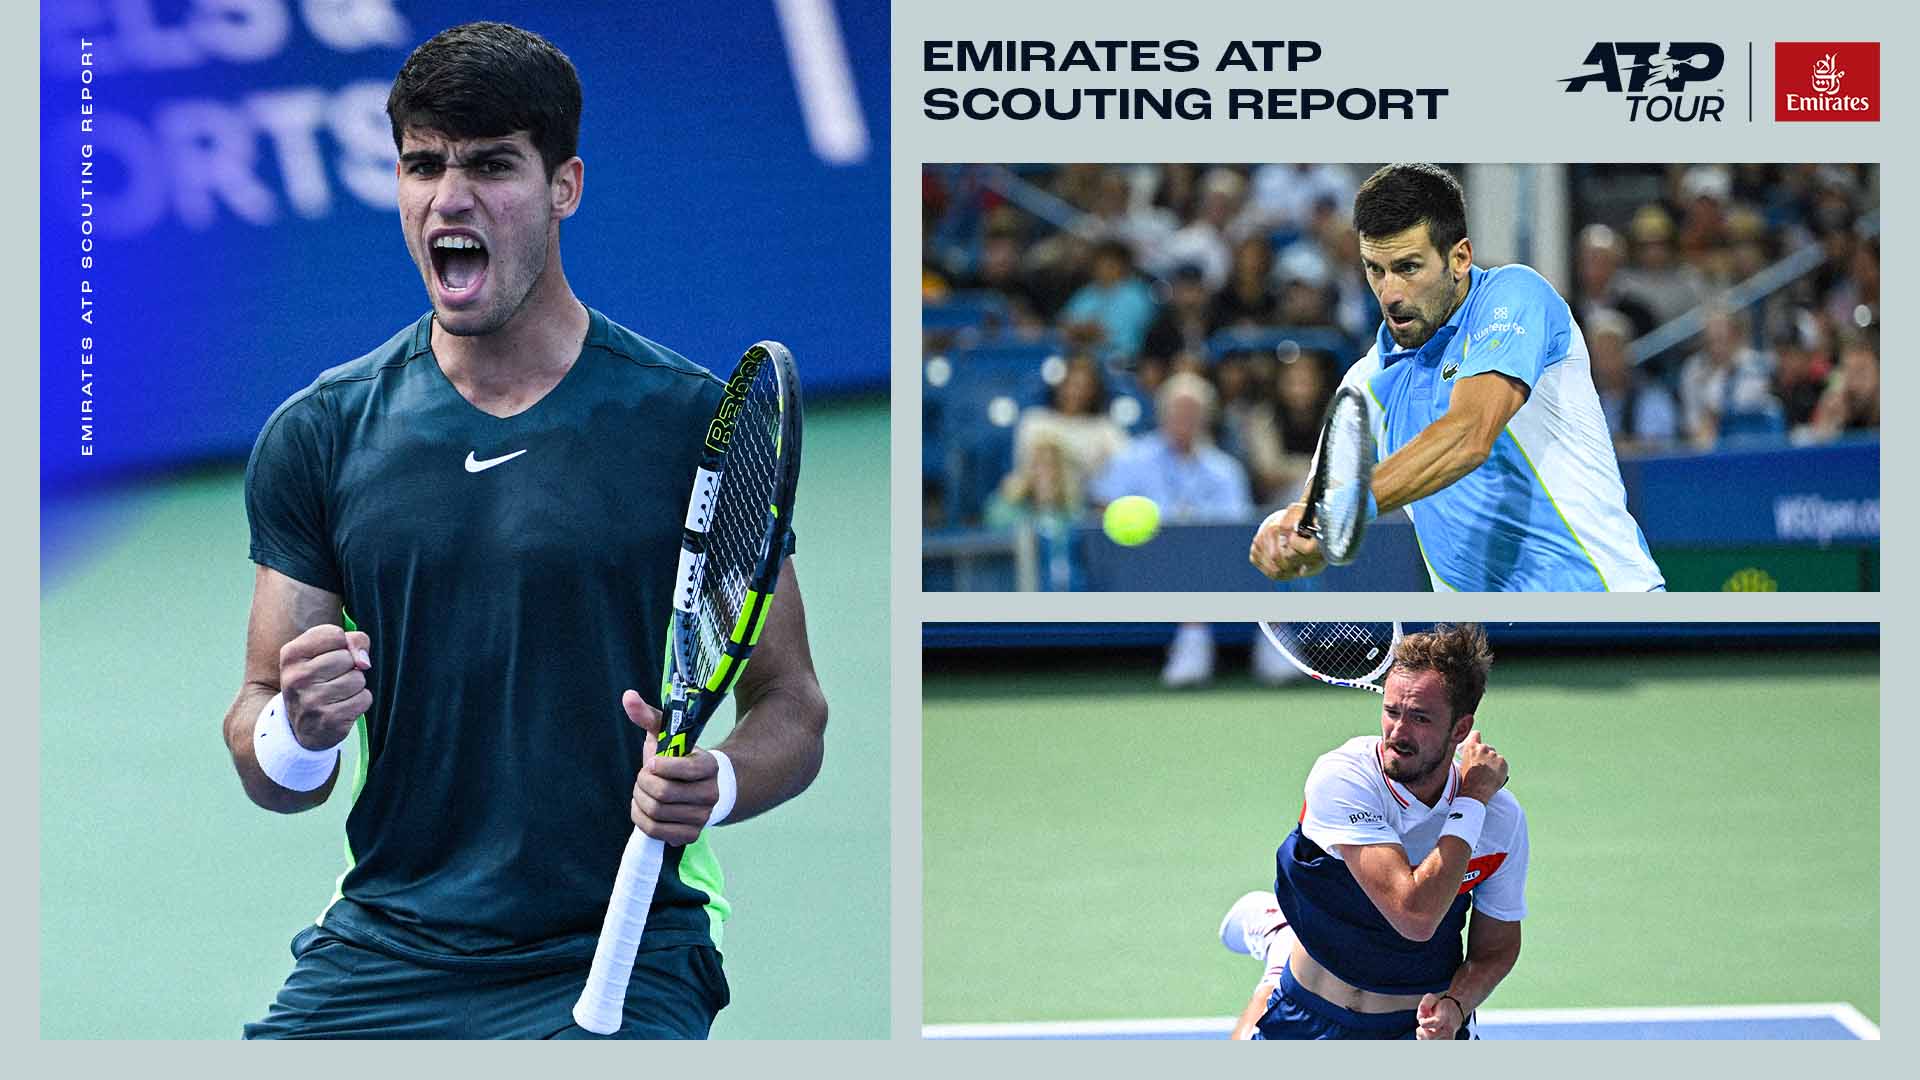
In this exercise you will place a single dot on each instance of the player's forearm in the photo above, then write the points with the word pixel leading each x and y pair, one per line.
pixel 239 731
pixel 777 746
pixel 1431 889
pixel 1447 450
pixel 1474 982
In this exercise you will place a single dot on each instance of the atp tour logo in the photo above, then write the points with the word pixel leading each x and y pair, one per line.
pixel 1826 80
pixel 1656 80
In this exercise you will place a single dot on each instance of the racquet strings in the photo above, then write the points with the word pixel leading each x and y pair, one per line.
pixel 1349 651
pixel 741 526
pixel 1348 468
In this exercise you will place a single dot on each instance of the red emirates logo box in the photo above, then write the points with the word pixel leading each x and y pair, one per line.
pixel 1826 80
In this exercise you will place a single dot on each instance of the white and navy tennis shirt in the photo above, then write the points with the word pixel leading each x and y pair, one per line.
pixel 1547 511
pixel 1350 800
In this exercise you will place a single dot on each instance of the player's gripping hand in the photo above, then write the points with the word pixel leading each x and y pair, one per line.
pixel 1482 770
pixel 1437 1018
pixel 323 683
pixel 672 796
pixel 1283 554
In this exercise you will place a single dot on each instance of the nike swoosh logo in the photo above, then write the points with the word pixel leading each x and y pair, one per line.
pixel 483 466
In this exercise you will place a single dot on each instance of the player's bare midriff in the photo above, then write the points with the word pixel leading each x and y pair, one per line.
pixel 1316 979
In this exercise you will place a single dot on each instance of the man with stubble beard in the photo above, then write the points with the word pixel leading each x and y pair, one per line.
pixel 1402 835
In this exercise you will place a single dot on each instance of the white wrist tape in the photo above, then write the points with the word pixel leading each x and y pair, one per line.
pixel 1465 818
pixel 281 756
pixel 729 789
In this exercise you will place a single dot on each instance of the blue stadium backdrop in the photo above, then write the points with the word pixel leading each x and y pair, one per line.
pixel 239 205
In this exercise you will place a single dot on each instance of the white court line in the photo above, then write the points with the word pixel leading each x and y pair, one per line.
pixel 1839 1012
pixel 1055 1029
pixel 835 126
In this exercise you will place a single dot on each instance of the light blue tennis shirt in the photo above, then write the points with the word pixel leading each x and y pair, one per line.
pixel 1547 510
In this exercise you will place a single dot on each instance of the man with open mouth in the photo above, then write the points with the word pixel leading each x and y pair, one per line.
pixel 465 544
pixel 1402 836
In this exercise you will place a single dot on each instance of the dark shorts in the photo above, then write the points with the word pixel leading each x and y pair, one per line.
pixel 343 990
pixel 1294 1012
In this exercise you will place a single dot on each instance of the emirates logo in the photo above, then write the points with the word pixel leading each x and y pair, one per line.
pixel 1826 75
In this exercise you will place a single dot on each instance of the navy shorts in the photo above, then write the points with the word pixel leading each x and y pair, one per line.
pixel 1294 1012
pixel 343 990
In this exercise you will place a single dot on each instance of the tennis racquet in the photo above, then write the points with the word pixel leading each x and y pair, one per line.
pixel 1351 654
pixel 730 553
pixel 1336 501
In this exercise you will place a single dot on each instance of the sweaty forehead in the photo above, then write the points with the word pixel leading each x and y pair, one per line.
pixel 1406 243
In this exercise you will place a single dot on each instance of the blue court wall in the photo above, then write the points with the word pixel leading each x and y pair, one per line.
pixel 236 201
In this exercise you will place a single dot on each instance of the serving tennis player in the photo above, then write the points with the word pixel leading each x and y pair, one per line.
pixel 1486 423
pixel 1403 836
pixel 468 537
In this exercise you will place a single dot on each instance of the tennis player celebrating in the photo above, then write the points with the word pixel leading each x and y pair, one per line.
pixel 494 500
pixel 1401 836
pixel 1485 419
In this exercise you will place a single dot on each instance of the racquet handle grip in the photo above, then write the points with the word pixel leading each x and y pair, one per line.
pixel 604 1000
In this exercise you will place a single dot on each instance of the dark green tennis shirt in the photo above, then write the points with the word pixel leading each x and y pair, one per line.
pixel 514 576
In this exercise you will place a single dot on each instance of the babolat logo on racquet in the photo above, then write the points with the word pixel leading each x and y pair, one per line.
pixel 720 432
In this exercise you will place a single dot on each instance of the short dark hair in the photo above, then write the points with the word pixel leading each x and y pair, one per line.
pixel 484 79
pixel 1397 197
pixel 1458 654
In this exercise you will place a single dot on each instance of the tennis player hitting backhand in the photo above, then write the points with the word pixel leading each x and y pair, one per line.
pixel 1402 835
pixel 494 499
pixel 1484 414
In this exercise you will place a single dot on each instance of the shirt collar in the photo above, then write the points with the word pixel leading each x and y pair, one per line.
pixel 1391 353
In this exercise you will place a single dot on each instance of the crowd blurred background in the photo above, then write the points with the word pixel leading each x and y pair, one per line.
pixel 1176 330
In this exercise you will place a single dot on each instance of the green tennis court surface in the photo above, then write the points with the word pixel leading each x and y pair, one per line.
pixel 1704 827
pixel 164 891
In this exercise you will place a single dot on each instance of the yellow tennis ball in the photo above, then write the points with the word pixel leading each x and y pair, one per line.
pixel 1131 520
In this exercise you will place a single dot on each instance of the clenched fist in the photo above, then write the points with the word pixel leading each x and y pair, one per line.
pixel 1482 770
pixel 323 682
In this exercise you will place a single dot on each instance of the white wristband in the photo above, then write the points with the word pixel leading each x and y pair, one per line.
pixel 281 756
pixel 1465 818
pixel 729 788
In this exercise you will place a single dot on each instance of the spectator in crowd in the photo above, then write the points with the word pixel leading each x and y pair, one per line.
pixel 1184 321
pixel 1640 412
pixel 1305 298
pixel 1727 384
pixel 1248 300
pixel 1044 489
pixel 1076 417
pixel 1706 192
pixel 1851 401
pixel 1600 254
pixel 999 270
pixel 1285 197
pixel 1204 241
pixel 1655 278
pixel 1176 465
pixel 1113 310
pixel 1280 434
pixel 1801 367
pixel 1855 300
pixel 1118 215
